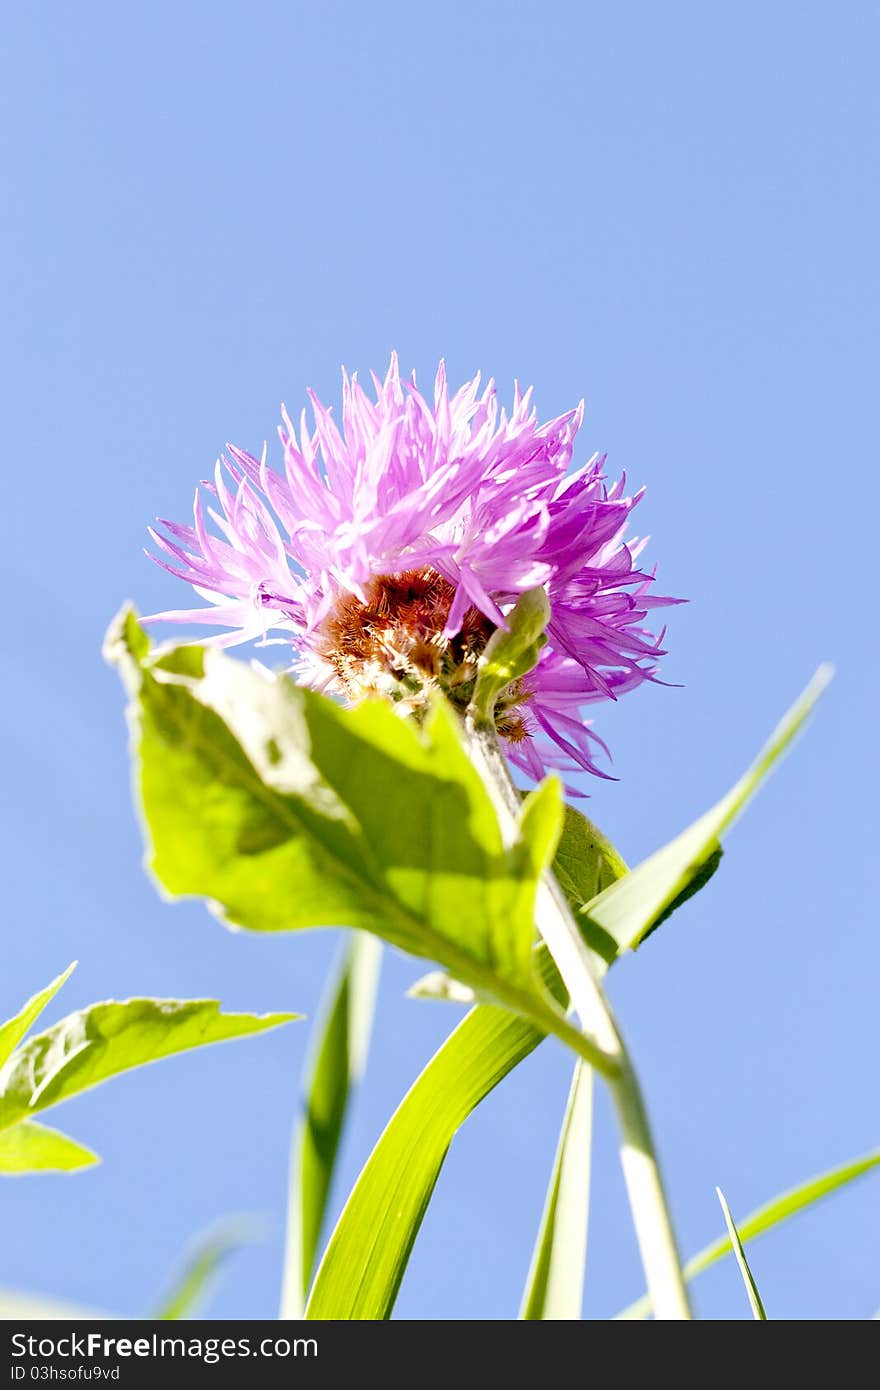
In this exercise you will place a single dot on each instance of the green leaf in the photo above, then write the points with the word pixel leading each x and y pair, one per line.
pixel 751 1287
pixel 555 1286
pixel 764 1218
pixel 191 1286
pixel 32 1148
pixel 627 911
pixel 586 862
pixel 360 1273
pixel 92 1045
pixel 338 1062
pixel 12 1032
pixel 512 652
pixel 287 811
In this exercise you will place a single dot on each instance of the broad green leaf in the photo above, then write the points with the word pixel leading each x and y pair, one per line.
pixel 16 1306
pixel 32 1148
pixel 339 1057
pixel 360 1273
pixel 92 1045
pixel 191 1286
pixel 287 811
pixel 773 1213
pixel 586 862
pixel 624 914
pixel 751 1287
pixel 511 652
pixel 555 1286
pixel 12 1032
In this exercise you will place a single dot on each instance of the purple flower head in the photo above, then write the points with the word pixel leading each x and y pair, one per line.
pixel 392 545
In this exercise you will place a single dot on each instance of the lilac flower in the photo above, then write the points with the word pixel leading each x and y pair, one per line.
pixel 390 548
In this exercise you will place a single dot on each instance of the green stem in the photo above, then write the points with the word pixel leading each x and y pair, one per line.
pixel 641 1170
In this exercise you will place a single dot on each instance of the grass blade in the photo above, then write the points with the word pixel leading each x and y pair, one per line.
pixel 555 1285
pixel 751 1287
pixel 624 914
pixel 362 1267
pixel 191 1286
pixel 360 1273
pixel 338 1062
pixel 764 1218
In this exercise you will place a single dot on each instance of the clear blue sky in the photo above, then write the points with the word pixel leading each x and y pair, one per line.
pixel 669 209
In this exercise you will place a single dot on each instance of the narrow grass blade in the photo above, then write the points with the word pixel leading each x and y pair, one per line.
pixel 338 1062
pixel 751 1287
pixel 555 1285
pixel 12 1032
pixel 623 915
pixel 772 1213
pixel 360 1273
pixel 192 1285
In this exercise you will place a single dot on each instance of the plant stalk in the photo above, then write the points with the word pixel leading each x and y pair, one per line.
pixel 641 1170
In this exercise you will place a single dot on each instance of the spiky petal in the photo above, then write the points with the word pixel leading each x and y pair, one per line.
pixel 458 488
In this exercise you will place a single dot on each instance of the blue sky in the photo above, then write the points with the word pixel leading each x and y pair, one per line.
pixel 670 210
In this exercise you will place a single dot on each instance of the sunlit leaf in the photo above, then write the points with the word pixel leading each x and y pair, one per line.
pixel 32 1148
pixel 287 811
pixel 339 1057
pixel 586 862
pixel 12 1032
pixel 92 1045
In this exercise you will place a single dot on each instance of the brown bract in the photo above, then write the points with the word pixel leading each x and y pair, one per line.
pixel 394 645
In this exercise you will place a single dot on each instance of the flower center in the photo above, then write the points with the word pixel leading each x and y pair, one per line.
pixel 393 645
